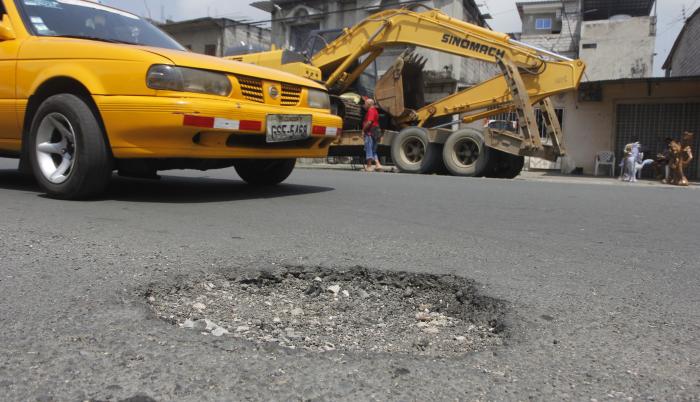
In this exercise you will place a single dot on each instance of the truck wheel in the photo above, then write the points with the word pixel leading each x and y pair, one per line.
pixel 465 153
pixel 264 172
pixel 412 151
pixel 503 165
pixel 510 166
pixel 67 149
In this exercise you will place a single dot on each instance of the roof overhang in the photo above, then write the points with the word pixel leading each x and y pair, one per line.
pixel 604 9
pixel 648 80
pixel 270 5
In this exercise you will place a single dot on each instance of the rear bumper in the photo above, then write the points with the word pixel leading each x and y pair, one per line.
pixel 162 127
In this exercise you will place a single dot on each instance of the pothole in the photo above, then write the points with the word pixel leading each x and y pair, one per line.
pixel 356 310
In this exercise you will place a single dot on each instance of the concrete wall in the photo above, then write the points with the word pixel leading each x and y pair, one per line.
pixel 589 127
pixel 199 33
pixel 196 39
pixel 685 61
pixel 250 35
pixel 623 49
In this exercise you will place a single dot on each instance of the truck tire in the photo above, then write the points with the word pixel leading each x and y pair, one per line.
pixel 516 165
pixel 505 165
pixel 264 172
pixel 67 149
pixel 465 153
pixel 412 151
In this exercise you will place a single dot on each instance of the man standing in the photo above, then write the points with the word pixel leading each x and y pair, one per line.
pixel 372 133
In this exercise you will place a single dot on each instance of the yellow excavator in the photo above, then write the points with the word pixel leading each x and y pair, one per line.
pixel 529 76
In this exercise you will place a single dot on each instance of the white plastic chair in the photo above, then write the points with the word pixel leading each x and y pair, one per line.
pixel 605 158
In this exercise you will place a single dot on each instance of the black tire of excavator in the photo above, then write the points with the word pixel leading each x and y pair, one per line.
pixel 514 165
pixel 503 165
pixel 430 161
pixel 472 138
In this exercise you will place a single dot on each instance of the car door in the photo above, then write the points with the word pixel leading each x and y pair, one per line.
pixel 9 127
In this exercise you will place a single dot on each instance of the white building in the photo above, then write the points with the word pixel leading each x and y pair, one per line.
pixel 216 36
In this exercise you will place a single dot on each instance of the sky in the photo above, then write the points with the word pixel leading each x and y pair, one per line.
pixel 505 15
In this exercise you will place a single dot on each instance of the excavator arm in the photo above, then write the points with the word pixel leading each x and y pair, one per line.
pixel 435 30
pixel 529 75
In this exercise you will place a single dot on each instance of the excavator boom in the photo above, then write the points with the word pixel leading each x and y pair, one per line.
pixel 529 76
pixel 545 73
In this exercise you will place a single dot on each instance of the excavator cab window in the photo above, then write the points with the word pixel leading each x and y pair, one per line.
pixel 319 40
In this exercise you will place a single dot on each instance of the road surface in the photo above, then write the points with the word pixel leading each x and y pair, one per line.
pixel 603 283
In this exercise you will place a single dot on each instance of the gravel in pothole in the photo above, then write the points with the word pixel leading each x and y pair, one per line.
pixel 319 309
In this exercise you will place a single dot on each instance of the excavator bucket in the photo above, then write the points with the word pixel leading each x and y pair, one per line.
pixel 400 90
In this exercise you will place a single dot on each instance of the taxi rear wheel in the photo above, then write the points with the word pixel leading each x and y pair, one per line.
pixel 264 172
pixel 67 149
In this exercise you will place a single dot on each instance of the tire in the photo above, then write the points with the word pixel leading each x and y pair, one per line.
pixel 503 165
pixel 264 172
pixel 514 165
pixel 67 149
pixel 412 151
pixel 465 153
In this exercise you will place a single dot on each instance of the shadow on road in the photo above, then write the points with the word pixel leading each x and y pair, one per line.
pixel 172 189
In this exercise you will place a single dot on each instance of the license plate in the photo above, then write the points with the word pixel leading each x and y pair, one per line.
pixel 288 127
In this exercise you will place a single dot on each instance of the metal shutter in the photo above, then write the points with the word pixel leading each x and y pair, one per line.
pixel 651 123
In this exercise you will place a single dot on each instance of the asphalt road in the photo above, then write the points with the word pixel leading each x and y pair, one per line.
pixel 603 283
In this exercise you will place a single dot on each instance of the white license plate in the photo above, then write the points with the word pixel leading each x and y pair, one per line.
pixel 288 127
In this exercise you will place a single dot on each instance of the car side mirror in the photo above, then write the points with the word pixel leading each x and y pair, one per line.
pixel 6 31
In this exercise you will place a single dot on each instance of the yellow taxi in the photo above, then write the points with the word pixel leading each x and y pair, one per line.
pixel 87 89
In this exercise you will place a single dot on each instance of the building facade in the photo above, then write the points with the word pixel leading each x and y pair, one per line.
pixel 616 112
pixel 551 25
pixel 683 59
pixel 217 36
pixel 615 38
pixel 294 20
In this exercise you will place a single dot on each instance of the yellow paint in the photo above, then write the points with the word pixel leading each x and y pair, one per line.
pixel 139 121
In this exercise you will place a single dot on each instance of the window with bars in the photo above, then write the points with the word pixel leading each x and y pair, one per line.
pixel 512 116
pixel 210 50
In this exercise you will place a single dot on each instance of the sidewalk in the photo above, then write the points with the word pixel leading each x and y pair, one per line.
pixel 555 177
pixel 532 175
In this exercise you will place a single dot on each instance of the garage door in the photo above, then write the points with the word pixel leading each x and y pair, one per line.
pixel 651 123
